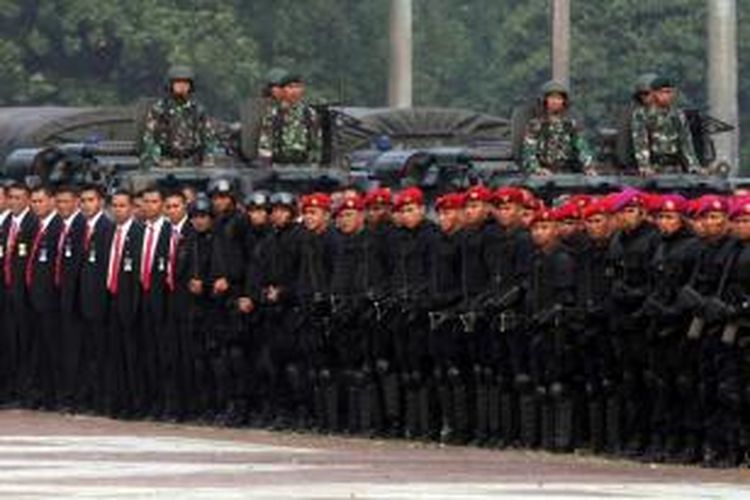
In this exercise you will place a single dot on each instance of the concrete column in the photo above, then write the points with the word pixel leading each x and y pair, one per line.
pixel 722 76
pixel 400 76
pixel 560 50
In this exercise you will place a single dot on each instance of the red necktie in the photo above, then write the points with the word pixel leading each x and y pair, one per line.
pixel 147 258
pixel 174 241
pixel 59 256
pixel 32 258
pixel 87 238
pixel 10 247
pixel 113 283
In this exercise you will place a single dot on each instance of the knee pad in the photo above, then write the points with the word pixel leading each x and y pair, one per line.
pixel 454 375
pixel 556 389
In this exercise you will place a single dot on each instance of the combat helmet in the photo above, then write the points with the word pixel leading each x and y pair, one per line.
pixel 643 83
pixel 180 72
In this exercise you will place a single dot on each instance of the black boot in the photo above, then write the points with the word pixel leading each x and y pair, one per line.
pixel 353 407
pixel 480 408
pixel 447 414
pixel 332 409
pixel 411 412
pixel 596 425
pixel 613 425
pixel 426 429
pixel 564 423
pixel 508 429
pixel 495 439
pixel 392 404
pixel 547 405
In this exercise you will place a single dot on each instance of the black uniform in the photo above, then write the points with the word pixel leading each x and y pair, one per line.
pixel 551 293
pixel 312 312
pixel 630 257
pixel 672 267
pixel 705 350
pixel 360 343
pixel 597 361
pixel 278 267
pixel 446 342
pixel 409 285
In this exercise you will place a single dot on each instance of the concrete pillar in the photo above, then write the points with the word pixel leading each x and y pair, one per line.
pixel 560 50
pixel 400 76
pixel 722 76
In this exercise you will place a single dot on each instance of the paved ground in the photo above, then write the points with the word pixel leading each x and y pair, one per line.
pixel 53 456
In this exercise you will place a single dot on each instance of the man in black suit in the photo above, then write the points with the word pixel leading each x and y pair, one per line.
pixel 20 229
pixel 43 298
pixel 123 385
pixel 178 350
pixel 93 297
pixel 4 216
pixel 68 261
pixel 153 316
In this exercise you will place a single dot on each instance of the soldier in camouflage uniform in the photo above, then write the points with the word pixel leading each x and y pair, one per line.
pixel 553 142
pixel 177 127
pixel 661 134
pixel 290 132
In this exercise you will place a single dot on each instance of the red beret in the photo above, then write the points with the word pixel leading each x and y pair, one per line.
pixel 451 201
pixel 545 215
pixel 409 196
pixel 580 200
pixel 317 200
pixel 711 203
pixel 351 202
pixel 478 193
pixel 740 207
pixel 568 211
pixel 627 198
pixel 528 200
pixel 597 207
pixel 508 195
pixel 378 196
pixel 670 203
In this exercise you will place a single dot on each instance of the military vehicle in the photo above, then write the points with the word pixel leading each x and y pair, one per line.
pixel 437 149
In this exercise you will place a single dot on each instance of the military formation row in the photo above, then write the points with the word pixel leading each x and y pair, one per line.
pixel 659 137
pixel 617 324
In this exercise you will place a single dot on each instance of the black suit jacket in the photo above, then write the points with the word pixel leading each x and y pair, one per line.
pixel 20 256
pixel 93 282
pixel 125 304
pixel 71 260
pixel 42 290
pixel 155 299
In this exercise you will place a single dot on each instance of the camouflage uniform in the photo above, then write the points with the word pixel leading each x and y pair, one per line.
pixel 554 142
pixel 177 129
pixel 291 134
pixel 662 140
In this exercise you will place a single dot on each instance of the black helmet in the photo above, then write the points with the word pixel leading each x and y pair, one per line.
pixel 283 198
pixel 201 206
pixel 220 186
pixel 258 199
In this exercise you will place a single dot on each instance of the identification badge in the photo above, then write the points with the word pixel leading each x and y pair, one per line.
pixel 127 265
pixel 68 252
pixel 22 250
pixel 43 255
pixel 92 256
pixel 162 265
